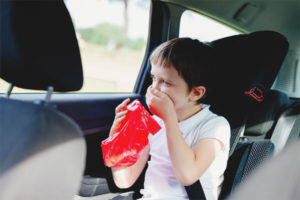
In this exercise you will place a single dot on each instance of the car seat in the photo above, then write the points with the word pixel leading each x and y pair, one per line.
pixel 244 69
pixel 247 66
pixel 42 151
pixel 276 119
pixel 276 179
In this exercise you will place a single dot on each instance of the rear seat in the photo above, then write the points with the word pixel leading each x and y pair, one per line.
pixel 244 71
pixel 271 125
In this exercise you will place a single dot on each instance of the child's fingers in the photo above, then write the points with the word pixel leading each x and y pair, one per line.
pixel 148 96
pixel 121 114
pixel 116 125
pixel 121 106
pixel 118 120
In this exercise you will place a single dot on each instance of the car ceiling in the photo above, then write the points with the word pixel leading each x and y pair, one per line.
pixel 248 16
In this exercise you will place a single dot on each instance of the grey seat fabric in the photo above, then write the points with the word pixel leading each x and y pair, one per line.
pixel 270 125
pixel 42 152
pixel 276 179
pixel 91 186
pixel 246 158
pixel 274 119
pixel 287 128
pixel 275 122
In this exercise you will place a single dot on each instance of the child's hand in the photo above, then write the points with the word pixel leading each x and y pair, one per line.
pixel 159 103
pixel 121 112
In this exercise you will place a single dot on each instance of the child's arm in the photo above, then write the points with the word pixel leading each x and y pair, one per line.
pixel 188 164
pixel 125 177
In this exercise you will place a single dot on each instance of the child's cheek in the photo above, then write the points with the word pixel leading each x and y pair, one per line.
pixel 165 90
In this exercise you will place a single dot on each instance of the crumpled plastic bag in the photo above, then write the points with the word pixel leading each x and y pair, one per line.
pixel 122 148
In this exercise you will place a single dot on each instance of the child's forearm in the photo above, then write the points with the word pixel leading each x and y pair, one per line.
pixel 183 158
pixel 124 177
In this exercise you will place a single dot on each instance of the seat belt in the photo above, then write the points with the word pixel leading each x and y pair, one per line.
pixel 195 191
pixel 286 128
pixel 295 132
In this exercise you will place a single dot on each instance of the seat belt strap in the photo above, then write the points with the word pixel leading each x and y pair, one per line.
pixel 195 191
pixel 295 132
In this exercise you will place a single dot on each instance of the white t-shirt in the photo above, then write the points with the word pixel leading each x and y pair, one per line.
pixel 160 180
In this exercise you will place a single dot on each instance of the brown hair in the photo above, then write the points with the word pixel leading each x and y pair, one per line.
pixel 190 57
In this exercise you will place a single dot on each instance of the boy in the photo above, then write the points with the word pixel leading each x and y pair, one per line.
pixel 193 143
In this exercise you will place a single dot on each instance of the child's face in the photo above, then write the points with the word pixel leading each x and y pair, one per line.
pixel 168 81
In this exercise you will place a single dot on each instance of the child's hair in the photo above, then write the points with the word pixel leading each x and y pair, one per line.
pixel 190 57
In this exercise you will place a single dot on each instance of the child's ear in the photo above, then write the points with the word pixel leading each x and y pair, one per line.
pixel 197 93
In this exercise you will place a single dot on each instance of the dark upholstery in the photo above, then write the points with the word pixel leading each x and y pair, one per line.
pixel 276 119
pixel 244 70
pixel 38 46
pixel 241 63
pixel 262 119
pixel 245 61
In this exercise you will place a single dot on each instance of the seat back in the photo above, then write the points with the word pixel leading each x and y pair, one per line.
pixel 42 151
pixel 262 119
pixel 244 69
pixel 275 119
pixel 278 178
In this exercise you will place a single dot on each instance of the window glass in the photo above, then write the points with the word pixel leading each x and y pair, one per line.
pixel 112 36
pixel 205 29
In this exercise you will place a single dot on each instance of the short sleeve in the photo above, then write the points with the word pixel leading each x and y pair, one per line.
pixel 218 128
pixel 160 122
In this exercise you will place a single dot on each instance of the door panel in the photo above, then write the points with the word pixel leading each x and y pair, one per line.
pixel 94 114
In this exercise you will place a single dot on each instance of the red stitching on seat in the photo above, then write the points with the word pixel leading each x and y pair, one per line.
pixel 255 93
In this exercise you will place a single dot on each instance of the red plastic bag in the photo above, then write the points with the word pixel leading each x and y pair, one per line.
pixel 122 148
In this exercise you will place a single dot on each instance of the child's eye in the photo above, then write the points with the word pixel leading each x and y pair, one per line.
pixel 166 83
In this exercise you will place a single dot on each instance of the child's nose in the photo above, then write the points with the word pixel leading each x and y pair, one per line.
pixel 155 85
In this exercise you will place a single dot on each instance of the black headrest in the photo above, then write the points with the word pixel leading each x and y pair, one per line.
pixel 247 64
pixel 38 46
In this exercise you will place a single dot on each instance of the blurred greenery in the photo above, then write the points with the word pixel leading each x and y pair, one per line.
pixel 109 34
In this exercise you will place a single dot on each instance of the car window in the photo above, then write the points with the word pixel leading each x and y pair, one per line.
pixel 112 36
pixel 203 28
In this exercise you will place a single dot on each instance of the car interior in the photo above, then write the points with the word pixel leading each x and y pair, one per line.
pixel 50 142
